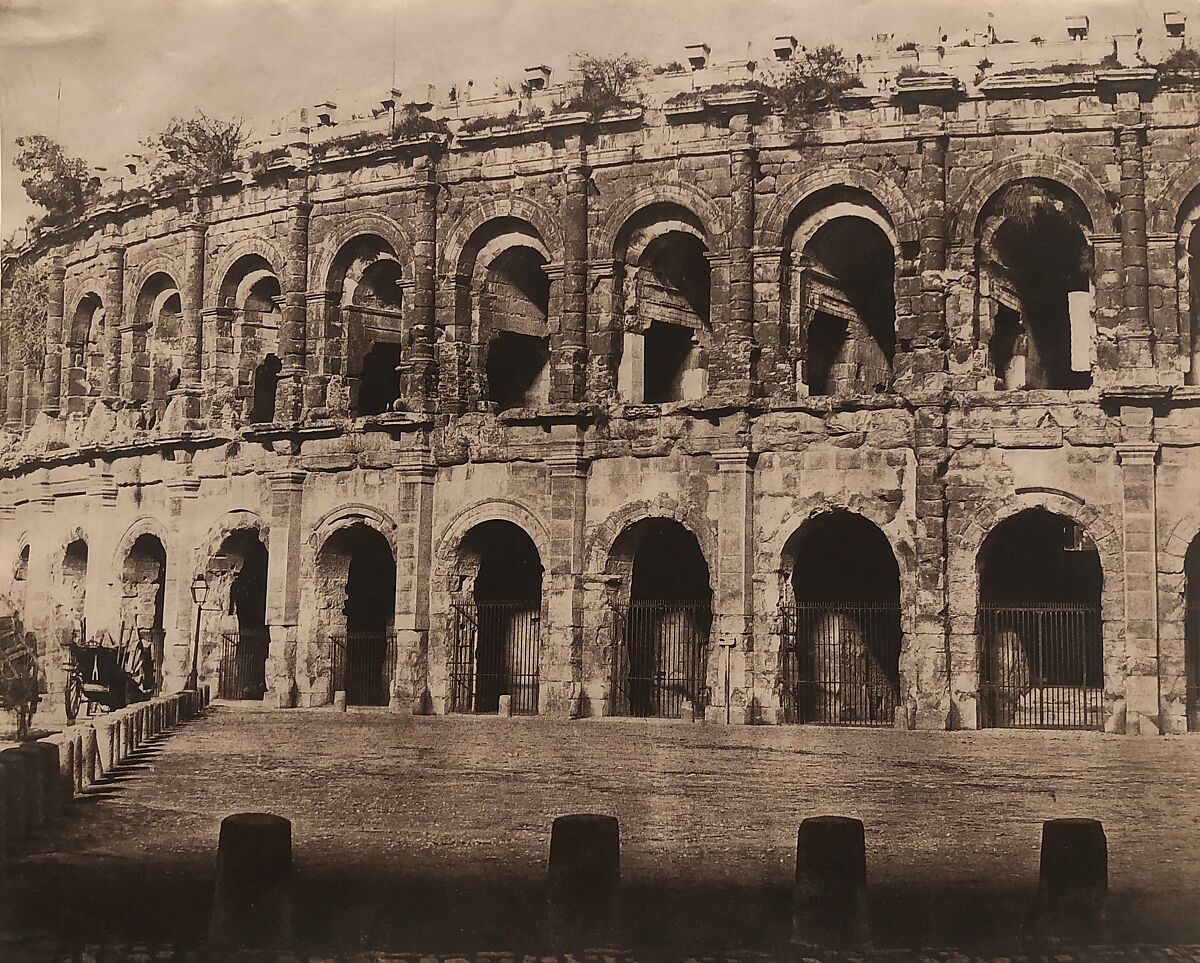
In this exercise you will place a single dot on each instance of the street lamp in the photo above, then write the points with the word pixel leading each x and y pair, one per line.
pixel 199 594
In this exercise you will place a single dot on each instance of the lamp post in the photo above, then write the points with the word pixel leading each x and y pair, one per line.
pixel 199 594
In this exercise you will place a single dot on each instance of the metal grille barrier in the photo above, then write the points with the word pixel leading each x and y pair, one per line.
pixel 362 666
pixel 497 651
pixel 243 669
pixel 660 657
pixel 840 663
pixel 1042 666
pixel 1192 658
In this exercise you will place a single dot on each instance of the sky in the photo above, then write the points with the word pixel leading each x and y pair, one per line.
pixel 100 76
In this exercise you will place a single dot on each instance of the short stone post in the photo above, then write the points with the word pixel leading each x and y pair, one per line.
pixel 17 778
pixel 79 758
pixel 1073 880
pixel 35 785
pixel 207 690
pixel 91 755
pixel 66 767
pixel 831 882
pixel 339 700
pixel 128 740
pixel 48 757
pixel 106 745
pixel 252 904
pixel 504 707
pixel 687 711
pixel 583 880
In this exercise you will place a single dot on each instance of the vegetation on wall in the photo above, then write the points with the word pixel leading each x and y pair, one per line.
pixel 195 151
pixel 23 316
pixel 57 182
pixel 606 83
pixel 1183 64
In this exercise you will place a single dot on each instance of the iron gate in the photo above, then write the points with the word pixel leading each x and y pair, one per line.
pixel 840 663
pixel 1192 658
pixel 660 657
pixel 243 672
pixel 1042 666
pixel 362 667
pixel 497 651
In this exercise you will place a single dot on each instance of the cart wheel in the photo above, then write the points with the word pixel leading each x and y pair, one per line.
pixel 72 693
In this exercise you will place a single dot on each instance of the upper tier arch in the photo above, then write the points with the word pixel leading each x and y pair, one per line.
pixel 697 202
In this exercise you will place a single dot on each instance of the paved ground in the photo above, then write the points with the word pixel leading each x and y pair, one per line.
pixel 431 833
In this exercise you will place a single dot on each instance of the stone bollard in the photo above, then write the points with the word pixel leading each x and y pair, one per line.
pixel 48 757
pixel 252 904
pixel 66 765
pixel 128 740
pixel 831 882
pixel 17 778
pixel 35 786
pixel 1073 880
pixel 207 690
pixel 79 758
pixel 339 701
pixel 106 745
pixel 139 726
pixel 504 707
pixel 583 880
pixel 90 752
pixel 687 711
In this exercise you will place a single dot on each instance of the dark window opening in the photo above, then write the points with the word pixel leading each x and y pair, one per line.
pixel 516 368
pixel 243 672
pixel 840 655
pixel 674 281
pixel 826 336
pixel 1008 348
pixel 266 380
pixel 668 352
pixel 661 659
pixel 379 383
pixel 144 587
pixel 497 630
pixel 1041 635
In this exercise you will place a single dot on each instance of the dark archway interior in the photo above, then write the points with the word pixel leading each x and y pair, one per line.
pixel 266 380
pixel 1193 250
pixel 517 285
pixel 668 564
pixel 248 593
pixel 144 581
pixel 515 364
pixel 1045 256
pixel 74 587
pixel 1191 574
pixel 370 580
pixel 673 301
pixel 668 350
pixel 1037 557
pixel 843 557
pixel 379 383
pixel 851 338
pixel 510 568
pixel 146 563
pixel 380 286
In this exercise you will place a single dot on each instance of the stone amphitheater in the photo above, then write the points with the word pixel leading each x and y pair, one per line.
pixel 680 410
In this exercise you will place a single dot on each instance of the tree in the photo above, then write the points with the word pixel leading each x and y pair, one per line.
pixel 607 81
pixel 56 182
pixel 813 81
pixel 195 151
pixel 23 315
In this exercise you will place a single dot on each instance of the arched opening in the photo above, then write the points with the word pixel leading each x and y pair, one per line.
pixel 1191 644
pixel 847 308
pixel 357 572
pixel 157 350
pixel 1041 637
pixel 251 290
pixel 1193 275
pixel 1037 306
pixel 840 654
pixel 85 353
pixel 21 583
pixel 237 577
pixel 368 283
pixel 497 621
pixel 143 601
pixel 72 593
pixel 264 389
pixel 514 304
pixel 660 659
pixel 664 288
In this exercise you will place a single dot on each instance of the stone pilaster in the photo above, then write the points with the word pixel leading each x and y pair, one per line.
pixel 1170 327
pixel 283 587
pixel 114 314
pixel 414 542
pixel 1140 553
pixel 13 419
pixel 732 638
pixel 52 369
pixel 418 372
pixel 562 635
pixel 191 381
pixel 731 366
pixel 293 335
pixel 568 345
pixel 1135 341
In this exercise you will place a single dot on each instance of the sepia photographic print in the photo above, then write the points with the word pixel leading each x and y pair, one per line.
pixel 596 481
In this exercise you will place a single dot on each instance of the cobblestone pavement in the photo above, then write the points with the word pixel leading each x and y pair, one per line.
pixel 431 833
